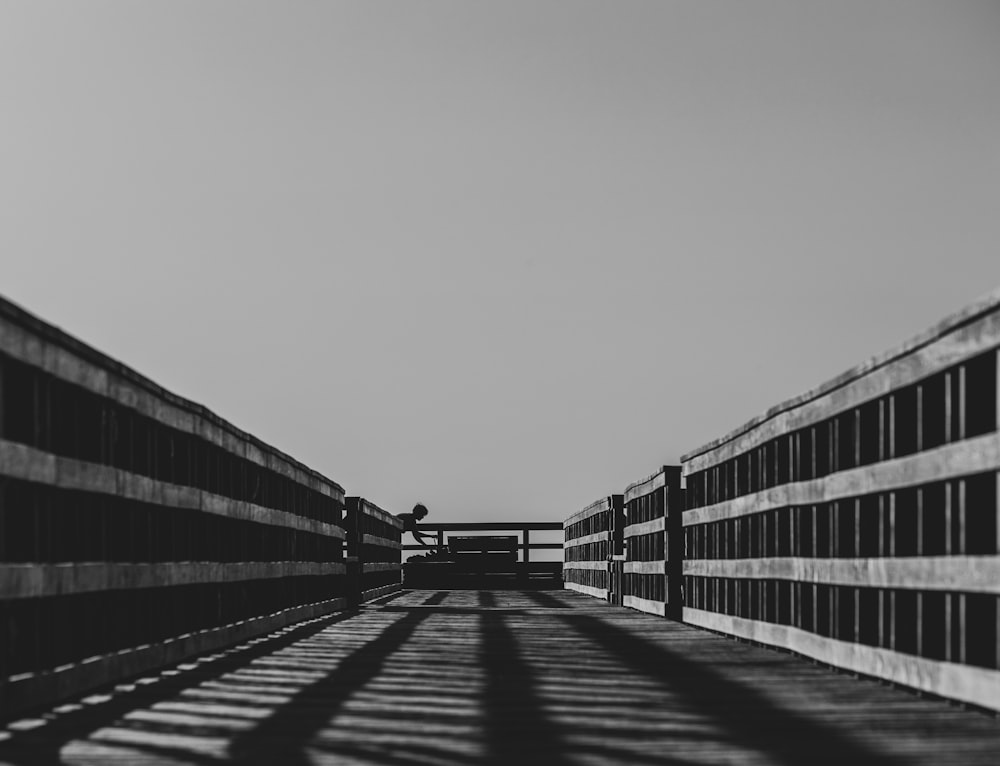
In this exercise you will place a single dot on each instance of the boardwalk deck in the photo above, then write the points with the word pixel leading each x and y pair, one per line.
pixel 468 677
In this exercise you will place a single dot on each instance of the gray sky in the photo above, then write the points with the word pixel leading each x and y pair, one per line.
pixel 502 257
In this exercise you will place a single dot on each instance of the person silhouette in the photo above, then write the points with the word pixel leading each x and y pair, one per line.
pixel 410 521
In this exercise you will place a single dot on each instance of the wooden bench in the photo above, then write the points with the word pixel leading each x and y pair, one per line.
pixel 494 554
pixel 480 561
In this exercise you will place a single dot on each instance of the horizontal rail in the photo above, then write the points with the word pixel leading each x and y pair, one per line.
pixel 602 565
pixel 19 461
pixel 380 566
pixel 597 537
pixel 19 581
pixel 586 589
pixel 645 567
pixel 599 506
pixel 473 526
pixel 381 590
pixel 954 460
pixel 645 528
pixel 531 546
pixel 971 574
pixel 368 508
pixel 645 486
pixel 382 542
pixel 644 605
pixel 960 337
pixel 975 685
pixel 34 342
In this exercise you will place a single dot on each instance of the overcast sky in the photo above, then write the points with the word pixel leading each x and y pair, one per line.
pixel 507 257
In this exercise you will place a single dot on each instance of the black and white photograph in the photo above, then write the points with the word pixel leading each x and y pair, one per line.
pixel 502 382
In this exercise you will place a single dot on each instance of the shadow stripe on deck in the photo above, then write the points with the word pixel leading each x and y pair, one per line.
pixel 468 677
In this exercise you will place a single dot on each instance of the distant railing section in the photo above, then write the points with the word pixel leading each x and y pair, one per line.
pixel 138 528
pixel 654 544
pixel 374 537
pixel 857 524
pixel 483 560
pixel 592 537
pixel 525 528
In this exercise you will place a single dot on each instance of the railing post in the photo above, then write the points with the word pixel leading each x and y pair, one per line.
pixel 616 559
pixel 673 542
pixel 616 573
pixel 374 541
pixel 617 506
pixel 523 568
pixel 352 526
pixel 352 558
pixel 353 581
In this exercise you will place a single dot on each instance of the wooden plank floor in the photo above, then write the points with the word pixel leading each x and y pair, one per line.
pixel 502 677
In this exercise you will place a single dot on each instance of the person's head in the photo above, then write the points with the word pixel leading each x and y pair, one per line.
pixel 419 510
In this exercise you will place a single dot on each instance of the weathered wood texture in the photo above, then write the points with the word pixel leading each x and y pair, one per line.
pixel 21 581
pixel 137 527
pixel 591 537
pixel 858 524
pixel 954 340
pixel 654 545
pixel 22 463
pixel 474 677
pixel 375 537
pixel 69 368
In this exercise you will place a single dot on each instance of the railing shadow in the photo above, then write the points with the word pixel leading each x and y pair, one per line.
pixel 277 738
pixel 748 717
pixel 41 746
pixel 518 730
pixel 456 678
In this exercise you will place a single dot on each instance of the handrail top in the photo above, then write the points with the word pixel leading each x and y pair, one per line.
pixel 366 506
pixel 644 486
pixel 22 318
pixel 977 309
pixel 598 506
pixel 650 484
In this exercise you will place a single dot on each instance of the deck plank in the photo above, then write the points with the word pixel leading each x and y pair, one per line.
pixel 468 677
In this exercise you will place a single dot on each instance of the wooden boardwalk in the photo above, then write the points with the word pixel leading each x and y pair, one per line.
pixel 503 677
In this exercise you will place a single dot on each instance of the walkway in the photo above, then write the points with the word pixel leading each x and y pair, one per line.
pixel 469 677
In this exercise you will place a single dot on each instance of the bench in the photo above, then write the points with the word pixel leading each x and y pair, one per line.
pixel 484 553
pixel 480 561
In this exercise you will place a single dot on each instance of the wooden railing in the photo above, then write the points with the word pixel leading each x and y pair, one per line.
pixel 857 524
pixel 654 545
pixel 374 538
pixel 592 537
pixel 137 528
